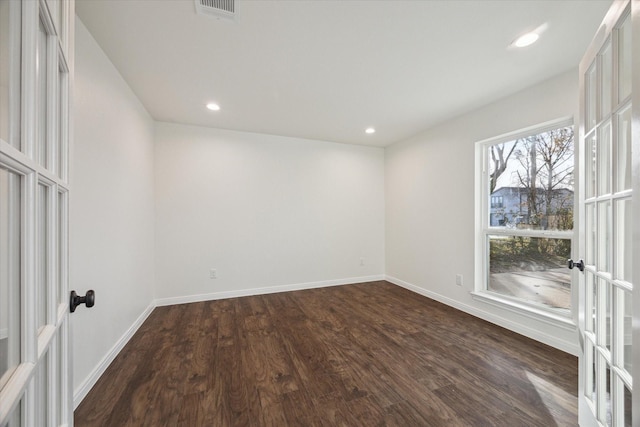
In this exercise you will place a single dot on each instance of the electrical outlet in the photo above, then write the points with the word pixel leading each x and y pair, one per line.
pixel 459 279
pixel 361 261
pixel 213 274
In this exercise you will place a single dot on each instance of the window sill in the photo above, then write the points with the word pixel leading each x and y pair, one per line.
pixel 557 319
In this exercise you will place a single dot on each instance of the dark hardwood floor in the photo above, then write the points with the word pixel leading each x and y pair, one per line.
pixel 368 354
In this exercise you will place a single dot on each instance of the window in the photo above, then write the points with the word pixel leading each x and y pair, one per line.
pixel 525 217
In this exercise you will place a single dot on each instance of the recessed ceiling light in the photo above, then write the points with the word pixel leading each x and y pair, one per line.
pixel 213 106
pixel 526 40
pixel 370 130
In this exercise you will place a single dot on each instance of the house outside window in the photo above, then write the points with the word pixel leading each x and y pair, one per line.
pixel 525 202
pixel 496 202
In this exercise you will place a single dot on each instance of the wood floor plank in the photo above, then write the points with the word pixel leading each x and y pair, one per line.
pixel 370 354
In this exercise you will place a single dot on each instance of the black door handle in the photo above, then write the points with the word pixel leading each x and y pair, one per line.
pixel 89 300
pixel 579 264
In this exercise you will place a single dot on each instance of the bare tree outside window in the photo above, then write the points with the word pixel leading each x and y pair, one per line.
pixel 498 162
pixel 547 163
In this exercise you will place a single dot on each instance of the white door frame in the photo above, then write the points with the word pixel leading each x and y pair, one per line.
pixel 635 177
pixel 38 390
pixel 606 34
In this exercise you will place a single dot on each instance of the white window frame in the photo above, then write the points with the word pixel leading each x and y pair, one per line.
pixel 557 317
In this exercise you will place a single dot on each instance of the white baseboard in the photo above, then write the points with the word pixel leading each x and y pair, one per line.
pixel 81 392
pixel 264 290
pixel 568 347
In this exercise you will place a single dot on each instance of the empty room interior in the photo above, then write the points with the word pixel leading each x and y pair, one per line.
pixel 354 213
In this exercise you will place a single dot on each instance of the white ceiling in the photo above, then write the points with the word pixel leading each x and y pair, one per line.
pixel 327 69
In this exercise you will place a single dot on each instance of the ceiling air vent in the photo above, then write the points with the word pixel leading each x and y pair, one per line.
pixel 218 8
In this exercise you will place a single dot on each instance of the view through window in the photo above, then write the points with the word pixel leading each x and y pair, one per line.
pixel 529 216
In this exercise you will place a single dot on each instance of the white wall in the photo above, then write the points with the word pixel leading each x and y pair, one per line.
pixel 111 211
pixel 264 211
pixel 430 181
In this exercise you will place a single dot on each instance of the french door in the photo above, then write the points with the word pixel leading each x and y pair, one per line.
pixel 607 209
pixel 36 47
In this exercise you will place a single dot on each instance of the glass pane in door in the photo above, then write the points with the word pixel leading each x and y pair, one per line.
pixel 606 59
pixel 624 59
pixel 623 150
pixel 591 159
pixel 590 371
pixel 590 231
pixel 62 245
pixel 604 314
pixel 42 99
pixel 54 9
pixel 592 300
pixel 627 407
pixel 608 415
pixel 42 385
pixel 42 256
pixel 590 97
pixel 62 125
pixel 604 159
pixel 604 220
pixel 623 236
pixel 16 417
pixel 625 301
pixel 10 248
pixel 603 394
pixel 10 35
pixel 59 387
pixel 62 30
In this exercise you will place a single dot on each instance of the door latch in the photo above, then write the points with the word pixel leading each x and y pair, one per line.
pixel 75 300
pixel 579 265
